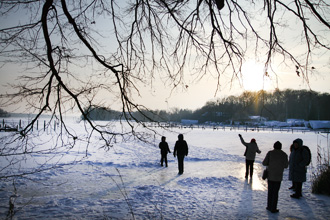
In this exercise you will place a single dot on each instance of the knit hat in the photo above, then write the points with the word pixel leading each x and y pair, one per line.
pixel 278 145
pixel 299 142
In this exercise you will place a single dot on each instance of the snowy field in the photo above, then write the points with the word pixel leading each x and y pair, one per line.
pixel 127 181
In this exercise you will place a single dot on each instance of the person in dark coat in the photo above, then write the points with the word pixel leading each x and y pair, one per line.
pixel 181 150
pixel 291 154
pixel 277 161
pixel 297 167
pixel 250 155
pixel 164 149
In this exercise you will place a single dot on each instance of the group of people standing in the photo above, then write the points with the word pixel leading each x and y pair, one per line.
pixel 180 150
pixel 276 161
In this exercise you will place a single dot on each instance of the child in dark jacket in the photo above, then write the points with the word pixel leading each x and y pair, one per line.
pixel 164 149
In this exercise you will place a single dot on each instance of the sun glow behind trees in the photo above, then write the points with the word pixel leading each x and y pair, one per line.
pixel 71 60
pixel 255 78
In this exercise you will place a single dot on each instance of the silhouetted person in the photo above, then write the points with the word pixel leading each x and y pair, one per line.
pixel 181 150
pixel 291 154
pixel 277 161
pixel 250 155
pixel 297 167
pixel 164 149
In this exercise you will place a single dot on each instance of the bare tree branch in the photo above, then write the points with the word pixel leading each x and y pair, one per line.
pixel 73 53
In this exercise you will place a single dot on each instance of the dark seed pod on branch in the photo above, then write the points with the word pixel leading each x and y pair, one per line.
pixel 220 4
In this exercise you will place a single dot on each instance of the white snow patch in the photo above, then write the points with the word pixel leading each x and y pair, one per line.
pixel 127 182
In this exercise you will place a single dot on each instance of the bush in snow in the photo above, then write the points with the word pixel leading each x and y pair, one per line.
pixel 321 176
pixel 321 181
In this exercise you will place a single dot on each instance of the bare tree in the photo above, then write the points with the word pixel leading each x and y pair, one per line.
pixel 75 52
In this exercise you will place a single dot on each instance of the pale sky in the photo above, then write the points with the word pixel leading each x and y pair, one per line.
pixel 197 93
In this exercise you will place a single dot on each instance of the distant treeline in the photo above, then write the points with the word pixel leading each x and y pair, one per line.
pixel 277 105
pixel 3 113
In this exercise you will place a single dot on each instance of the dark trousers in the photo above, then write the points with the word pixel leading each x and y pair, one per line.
pixel 298 188
pixel 180 163
pixel 273 189
pixel 164 158
pixel 249 166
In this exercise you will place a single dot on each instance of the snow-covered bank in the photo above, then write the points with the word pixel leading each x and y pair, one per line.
pixel 127 182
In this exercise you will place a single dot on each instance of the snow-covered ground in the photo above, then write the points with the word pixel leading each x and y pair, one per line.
pixel 127 181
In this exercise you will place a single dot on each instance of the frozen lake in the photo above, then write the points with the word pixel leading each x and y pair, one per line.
pixel 127 181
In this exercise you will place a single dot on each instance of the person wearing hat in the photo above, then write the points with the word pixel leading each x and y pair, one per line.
pixel 250 155
pixel 297 167
pixel 276 161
